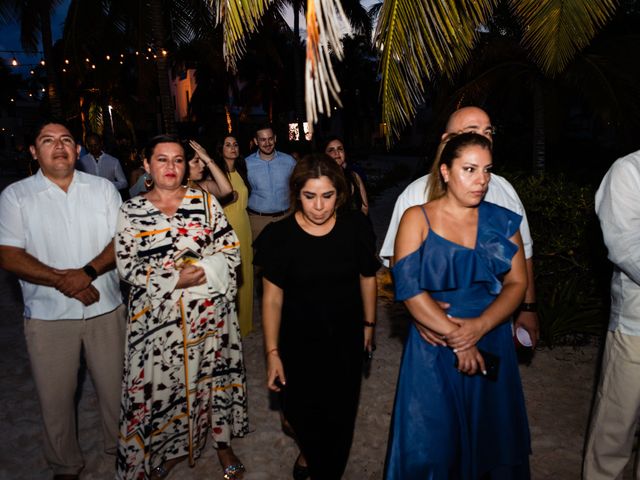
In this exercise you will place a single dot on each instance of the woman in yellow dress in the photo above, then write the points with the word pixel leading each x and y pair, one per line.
pixel 230 161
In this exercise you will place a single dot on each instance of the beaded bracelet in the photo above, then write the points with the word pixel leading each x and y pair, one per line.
pixel 369 324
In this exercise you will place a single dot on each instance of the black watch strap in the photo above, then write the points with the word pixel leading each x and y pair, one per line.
pixel 529 307
pixel 89 270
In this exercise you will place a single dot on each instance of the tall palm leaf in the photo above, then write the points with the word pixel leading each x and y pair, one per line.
pixel 555 30
pixel 239 19
pixel 417 39
pixel 420 39
pixel 326 21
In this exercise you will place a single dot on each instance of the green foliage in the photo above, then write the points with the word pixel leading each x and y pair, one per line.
pixel 569 257
pixel 566 312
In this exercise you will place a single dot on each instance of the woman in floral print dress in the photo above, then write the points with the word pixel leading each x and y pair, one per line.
pixel 184 374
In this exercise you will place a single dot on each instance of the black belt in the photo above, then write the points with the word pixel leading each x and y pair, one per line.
pixel 262 214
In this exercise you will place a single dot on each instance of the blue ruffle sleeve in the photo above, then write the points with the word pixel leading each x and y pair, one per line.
pixel 441 265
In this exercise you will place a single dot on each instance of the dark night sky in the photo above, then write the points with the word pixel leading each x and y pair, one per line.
pixel 10 38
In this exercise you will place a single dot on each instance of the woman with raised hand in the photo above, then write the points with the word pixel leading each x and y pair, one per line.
pixel 229 161
pixel 205 174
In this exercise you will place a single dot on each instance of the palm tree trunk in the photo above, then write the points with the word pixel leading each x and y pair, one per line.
pixel 47 47
pixel 162 67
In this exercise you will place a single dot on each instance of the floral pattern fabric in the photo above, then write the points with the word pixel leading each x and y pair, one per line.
pixel 184 374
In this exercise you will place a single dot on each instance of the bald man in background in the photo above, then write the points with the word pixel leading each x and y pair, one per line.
pixel 500 192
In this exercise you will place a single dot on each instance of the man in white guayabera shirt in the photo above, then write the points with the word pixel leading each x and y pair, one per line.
pixel 500 192
pixel 615 412
pixel 56 235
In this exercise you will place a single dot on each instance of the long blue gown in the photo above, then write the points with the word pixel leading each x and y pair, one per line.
pixel 447 425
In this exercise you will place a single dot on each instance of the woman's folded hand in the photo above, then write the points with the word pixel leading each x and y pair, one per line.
pixel 468 333
pixel 190 276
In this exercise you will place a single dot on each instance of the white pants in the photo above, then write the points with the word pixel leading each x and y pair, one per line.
pixel 615 411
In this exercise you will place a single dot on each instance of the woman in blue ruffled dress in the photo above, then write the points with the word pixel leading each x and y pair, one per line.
pixel 459 410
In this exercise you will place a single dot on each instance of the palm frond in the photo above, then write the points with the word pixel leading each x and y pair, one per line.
pixel 326 22
pixel 184 26
pixel 239 19
pixel 417 39
pixel 358 17
pixel 555 30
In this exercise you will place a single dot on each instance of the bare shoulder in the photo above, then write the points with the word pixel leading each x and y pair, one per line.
pixel 413 213
pixel 414 220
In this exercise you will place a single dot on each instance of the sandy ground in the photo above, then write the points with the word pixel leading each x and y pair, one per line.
pixel 558 388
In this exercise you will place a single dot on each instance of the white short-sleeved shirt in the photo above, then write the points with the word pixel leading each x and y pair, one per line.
pixel 618 209
pixel 62 230
pixel 500 192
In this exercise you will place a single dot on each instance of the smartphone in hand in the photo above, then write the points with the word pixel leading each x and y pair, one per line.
pixel 491 365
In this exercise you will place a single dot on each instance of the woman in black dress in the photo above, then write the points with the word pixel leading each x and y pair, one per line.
pixel 318 313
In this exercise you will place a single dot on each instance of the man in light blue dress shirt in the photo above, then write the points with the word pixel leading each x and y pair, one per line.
pixel 268 171
pixel 98 162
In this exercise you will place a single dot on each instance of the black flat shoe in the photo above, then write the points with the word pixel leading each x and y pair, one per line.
pixel 300 472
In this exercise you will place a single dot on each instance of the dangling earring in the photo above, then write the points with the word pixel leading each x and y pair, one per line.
pixel 148 181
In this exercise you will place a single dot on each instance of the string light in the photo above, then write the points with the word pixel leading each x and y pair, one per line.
pixel 152 52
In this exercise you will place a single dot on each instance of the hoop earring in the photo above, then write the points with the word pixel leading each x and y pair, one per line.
pixel 148 182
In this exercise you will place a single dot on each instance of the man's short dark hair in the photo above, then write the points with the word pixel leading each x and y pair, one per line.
pixel 94 135
pixel 262 126
pixel 39 126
